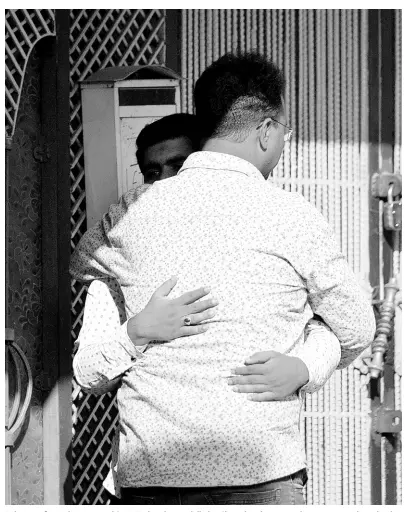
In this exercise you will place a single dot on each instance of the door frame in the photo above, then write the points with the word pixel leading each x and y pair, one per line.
pixel 56 248
pixel 381 159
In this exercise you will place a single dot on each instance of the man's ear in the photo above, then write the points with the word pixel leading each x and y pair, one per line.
pixel 265 133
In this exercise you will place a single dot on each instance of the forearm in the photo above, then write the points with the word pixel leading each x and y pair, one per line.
pixel 344 308
pixel 100 364
pixel 105 350
pixel 333 291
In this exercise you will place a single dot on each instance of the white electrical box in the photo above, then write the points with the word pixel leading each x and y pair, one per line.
pixel 117 103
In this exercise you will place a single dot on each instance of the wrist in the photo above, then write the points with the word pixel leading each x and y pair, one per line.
pixel 302 372
pixel 136 332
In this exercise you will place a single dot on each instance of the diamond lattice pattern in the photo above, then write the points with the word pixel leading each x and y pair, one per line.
pixel 24 27
pixel 98 39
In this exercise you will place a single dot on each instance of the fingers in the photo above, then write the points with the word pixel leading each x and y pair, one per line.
pixel 190 297
pixel 250 388
pixel 200 306
pixel 165 288
pixel 269 396
pixel 201 317
pixel 254 369
pixel 192 330
pixel 261 357
pixel 246 379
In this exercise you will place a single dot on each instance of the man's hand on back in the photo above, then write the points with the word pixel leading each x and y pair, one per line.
pixel 269 376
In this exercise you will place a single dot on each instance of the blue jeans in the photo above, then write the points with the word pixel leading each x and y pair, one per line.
pixel 284 491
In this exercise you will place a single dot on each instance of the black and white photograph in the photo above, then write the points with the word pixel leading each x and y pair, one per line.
pixel 203 258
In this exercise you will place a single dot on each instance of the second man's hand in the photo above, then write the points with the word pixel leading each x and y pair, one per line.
pixel 269 376
pixel 163 318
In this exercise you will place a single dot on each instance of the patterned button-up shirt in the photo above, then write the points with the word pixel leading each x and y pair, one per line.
pixel 270 259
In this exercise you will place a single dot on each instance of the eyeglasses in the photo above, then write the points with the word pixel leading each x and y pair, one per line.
pixel 287 136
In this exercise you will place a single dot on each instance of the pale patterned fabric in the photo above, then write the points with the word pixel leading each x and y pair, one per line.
pixel 263 252
pixel 101 360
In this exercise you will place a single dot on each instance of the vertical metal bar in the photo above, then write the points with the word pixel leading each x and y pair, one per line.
pixel 343 127
pixel 358 191
pixel 248 31
pixel 222 32
pixel 301 102
pixel 209 31
pixel 306 113
pixel 242 37
pixel 269 31
pixel 229 40
pixel 365 256
pixel 197 49
pixel 215 34
pixel 397 238
pixel 337 126
pixel 358 438
pixel 184 68
pixel 321 447
pixel 202 45
pixel 288 94
pixel 261 30
pixel 235 30
pixel 293 100
pixel 311 111
pixel 254 30
pixel 280 37
pixel 274 35
pixel 190 50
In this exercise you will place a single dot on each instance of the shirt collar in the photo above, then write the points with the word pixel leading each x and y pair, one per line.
pixel 220 161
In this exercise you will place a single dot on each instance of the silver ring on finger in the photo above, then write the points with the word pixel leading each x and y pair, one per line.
pixel 187 320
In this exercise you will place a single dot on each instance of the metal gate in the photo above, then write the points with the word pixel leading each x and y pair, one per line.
pixel 99 38
pixel 324 56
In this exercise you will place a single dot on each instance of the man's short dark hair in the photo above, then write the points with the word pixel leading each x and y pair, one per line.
pixel 168 127
pixel 236 92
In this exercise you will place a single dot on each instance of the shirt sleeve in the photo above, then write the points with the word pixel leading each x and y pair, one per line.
pixel 321 353
pixel 104 350
pixel 95 257
pixel 334 293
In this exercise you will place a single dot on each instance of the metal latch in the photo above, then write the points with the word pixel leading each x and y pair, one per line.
pixel 392 212
pixel 381 183
pixel 387 421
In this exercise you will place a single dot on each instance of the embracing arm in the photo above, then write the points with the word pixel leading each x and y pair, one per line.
pixel 333 291
pixel 271 375
pixel 108 345
pixel 105 351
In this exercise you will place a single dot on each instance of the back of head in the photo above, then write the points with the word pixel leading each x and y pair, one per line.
pixel 237 92
pixel 166 128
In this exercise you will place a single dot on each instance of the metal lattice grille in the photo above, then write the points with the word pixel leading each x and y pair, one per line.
pixel 99 38
pixel 24 28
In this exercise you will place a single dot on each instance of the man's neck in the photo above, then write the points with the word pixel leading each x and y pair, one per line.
pixel 239 149
pixel 242 150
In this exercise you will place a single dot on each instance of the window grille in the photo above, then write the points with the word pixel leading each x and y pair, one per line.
pixel 99 38
pixel 24 28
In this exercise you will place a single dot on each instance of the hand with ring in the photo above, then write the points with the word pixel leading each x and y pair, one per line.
pixel 166 319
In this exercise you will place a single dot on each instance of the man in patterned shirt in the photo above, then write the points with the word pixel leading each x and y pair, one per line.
pixel 163 146
pixel 268 256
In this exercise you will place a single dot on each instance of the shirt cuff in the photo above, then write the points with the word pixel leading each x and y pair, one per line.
pixel 320 353
pixel 135 351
